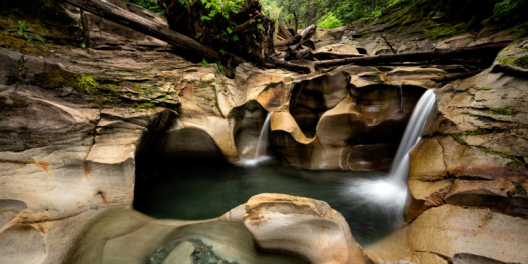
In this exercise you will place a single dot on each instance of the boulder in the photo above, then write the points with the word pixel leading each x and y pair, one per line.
pixel 302 227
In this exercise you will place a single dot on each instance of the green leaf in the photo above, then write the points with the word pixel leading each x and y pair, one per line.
pixel 204 63
pixel 235 37
pixel 205 18
pixel 220 68
pixel 229 30
pixel 83 46
pixel 222 51
pixel 40 38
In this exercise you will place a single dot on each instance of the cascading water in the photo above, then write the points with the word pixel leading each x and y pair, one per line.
pixel 387 194
pixel 262 143
pixel 264 134
pixel 400 165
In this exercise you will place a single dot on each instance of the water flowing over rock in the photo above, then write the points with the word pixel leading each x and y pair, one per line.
pixel 467 177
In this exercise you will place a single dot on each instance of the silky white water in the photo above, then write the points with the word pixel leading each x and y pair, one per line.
pixel 262 143
pixel 387 193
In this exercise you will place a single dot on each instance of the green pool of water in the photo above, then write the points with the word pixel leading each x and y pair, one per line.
pixel 204 189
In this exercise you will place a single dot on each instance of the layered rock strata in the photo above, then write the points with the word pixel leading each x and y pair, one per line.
pixel 468 175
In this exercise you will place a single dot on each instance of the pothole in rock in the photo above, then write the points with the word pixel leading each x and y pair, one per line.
pixel 181 251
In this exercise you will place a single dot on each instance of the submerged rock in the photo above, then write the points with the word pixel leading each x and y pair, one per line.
pixel 191 251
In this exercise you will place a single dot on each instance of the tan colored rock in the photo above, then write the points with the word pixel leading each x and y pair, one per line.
pixel 462 40
pixel 450 230
pixel 339 48
pixel 324 37
pixel 22 244
pixel 415 76
pixel 302 227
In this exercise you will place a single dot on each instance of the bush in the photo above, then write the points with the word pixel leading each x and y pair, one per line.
pixel 508 8
pixel 330 21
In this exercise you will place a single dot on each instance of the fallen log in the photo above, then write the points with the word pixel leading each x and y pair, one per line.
pixel 302 54
pixel 284 44
pixel 335 55
pixel 120 16
pixel 306 34
pixel 455 76
pixel 418 56
pixel 283 31
pixel 292 67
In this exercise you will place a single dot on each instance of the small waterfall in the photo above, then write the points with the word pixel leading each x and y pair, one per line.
pixel 264 134
pixel 262 143
pixel 400 165
pixel 387 194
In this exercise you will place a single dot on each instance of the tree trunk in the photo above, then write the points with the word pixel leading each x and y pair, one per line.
pixel 151 28
pixel 298 15
pixel 490 50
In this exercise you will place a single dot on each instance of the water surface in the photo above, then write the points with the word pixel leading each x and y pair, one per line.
pixel 205 189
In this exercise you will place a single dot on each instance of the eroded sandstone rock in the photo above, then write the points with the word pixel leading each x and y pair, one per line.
pixel 300 226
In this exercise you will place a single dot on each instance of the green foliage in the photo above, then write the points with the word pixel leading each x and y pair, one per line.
pixel 501 111
pixel 204 63
pixel 273 11
pixel 217 7
pixel 151 5
pixel 239 112
pixel 508 8
pixel 483 89
pixel 26 32
pixel 330 21
pixel 220 67
pixel 83 46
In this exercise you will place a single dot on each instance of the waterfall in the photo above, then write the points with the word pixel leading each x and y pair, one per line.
pixel 264 134
pixel 386 194
pixel 262 143
pixel 400 165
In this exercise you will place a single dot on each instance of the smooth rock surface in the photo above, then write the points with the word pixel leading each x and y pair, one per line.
pixel 302 227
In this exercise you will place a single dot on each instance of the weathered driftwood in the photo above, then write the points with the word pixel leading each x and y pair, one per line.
pixel 283 31
pixel 292 67
pixel 455 76
pixel 306 34
pixel 420 56
pixel 151 28
pixel 291 48
pixel 334 55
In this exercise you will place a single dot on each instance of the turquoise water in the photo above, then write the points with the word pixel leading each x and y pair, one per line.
pixel 204 189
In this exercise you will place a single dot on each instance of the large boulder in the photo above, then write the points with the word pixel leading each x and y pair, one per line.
pixel 302 227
